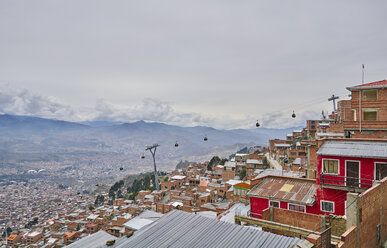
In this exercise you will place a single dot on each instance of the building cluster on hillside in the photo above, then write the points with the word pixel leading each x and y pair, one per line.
pixel 23 202
pixel 323 185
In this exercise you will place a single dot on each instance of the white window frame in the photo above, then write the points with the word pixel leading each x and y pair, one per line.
pixel 297 205
pixel 375 169
pixel 279 204
pixel 359 185
pixel 338 166
pixel 369 110
pixel 322 210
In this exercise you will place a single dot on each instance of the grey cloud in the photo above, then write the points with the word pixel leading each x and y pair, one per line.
pixel 23 102
pixel 148 110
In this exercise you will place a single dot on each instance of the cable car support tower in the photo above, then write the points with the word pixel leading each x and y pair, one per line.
pixel 152 150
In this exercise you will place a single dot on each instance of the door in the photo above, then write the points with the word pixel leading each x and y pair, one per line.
pixel 352 168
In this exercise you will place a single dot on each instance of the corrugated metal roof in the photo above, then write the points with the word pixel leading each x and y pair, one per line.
pixel 181 229
pixel 95 240
pixel 364 149
pixel 288 189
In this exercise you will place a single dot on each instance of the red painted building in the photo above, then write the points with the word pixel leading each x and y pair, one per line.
pixel 348 166
pixel 342 166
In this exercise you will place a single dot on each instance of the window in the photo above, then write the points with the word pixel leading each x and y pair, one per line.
pixel 370 95
pixel 369 115
pixel 354 114
pixel 380 171
pixel 295 207
pixel 313 127
pixel 274 204
pixel 313 122
pixel 327 206
pixel 330 166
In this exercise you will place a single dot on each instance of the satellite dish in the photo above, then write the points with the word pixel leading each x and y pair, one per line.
pixel 257 124
pixel 293 115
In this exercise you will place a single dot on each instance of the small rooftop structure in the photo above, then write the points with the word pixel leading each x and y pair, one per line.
pixel 330 134
pixel 177 177
pixel 282 145
pixel 254 161
pixel 365 149
pixel 229 164
pixel 262 173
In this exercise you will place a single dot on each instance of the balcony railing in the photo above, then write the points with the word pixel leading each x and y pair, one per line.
pixel 345 183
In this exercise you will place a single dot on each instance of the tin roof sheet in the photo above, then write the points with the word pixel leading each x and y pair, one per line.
pixel 364 149
pixel 181 229
pixel 95 240
pixel 296 190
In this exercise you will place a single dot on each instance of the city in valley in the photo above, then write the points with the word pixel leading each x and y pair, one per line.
pixel 321 182
pixel 193 124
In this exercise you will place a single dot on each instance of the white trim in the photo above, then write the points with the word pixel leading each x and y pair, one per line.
pixel 358 184
pixel 338 166
pixel 326 210
pixel 375 169
pixel 297 205
pixel 279 203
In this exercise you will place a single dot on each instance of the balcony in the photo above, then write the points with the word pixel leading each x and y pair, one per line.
pixel 352 184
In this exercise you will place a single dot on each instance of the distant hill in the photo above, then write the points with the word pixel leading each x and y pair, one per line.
pixel 25 140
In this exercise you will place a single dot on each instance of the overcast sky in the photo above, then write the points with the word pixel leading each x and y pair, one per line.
pixel 218 63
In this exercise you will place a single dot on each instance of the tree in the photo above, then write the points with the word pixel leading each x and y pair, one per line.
pixel 242 173
pixel 265 163
pixel 223 161
pixel 119 194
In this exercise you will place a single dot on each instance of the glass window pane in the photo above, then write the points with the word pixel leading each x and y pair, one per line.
pixel 369 115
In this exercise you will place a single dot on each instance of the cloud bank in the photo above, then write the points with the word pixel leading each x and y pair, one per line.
pixel 20 101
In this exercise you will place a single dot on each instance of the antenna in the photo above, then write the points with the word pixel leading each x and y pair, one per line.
pixel 362 78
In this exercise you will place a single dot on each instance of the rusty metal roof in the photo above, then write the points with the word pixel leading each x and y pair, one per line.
pixel 297 190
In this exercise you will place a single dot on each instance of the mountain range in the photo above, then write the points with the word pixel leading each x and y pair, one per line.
pixel 35 143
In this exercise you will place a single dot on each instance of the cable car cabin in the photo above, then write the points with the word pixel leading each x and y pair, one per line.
pixel 205 138
pixel 293 115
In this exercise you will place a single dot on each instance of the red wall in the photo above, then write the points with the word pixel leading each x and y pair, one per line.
pixel 339 197
pixel 367 169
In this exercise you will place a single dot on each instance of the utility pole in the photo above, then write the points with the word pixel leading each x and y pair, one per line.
pixel 152 150
pixel 333 98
